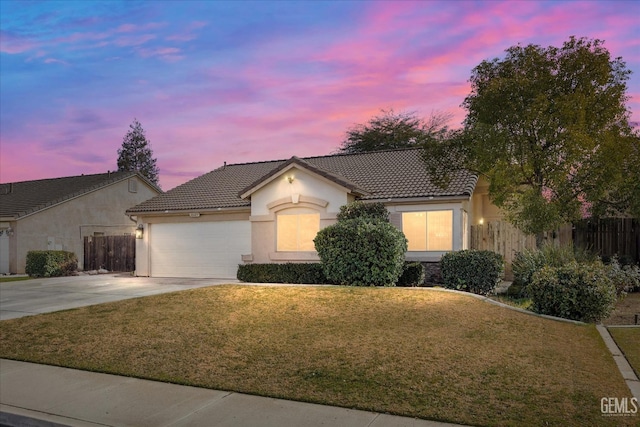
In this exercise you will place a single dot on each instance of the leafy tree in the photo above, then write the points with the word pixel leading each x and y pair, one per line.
pixel 391 130
pixel 549 129
pixel 136 153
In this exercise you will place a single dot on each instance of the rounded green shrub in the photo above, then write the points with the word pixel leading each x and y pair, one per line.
pixel 51 263
pixel 361 252
pixel 372 211
pixel 574 291
pixel 478 272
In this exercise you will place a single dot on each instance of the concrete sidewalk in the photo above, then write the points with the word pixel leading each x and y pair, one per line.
pixel 41 395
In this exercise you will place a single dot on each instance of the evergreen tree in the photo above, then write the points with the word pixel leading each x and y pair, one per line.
pixel 136 153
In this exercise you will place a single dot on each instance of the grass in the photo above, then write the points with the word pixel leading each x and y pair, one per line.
pixel 628 339
pixel 4 279
pixel 523 303
pixel 414 352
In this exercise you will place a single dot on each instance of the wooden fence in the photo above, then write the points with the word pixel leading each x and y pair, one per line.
pixel 113 253
pixel 608 237
pixel 503 238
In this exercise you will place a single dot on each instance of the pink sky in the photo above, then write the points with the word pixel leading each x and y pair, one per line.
pixel 241 82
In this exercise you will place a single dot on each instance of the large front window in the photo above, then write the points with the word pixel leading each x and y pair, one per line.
pixel 297 231
pixel 428 231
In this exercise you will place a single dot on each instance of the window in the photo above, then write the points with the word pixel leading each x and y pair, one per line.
pixel 428 231
pixel 133 185
pixel 297 231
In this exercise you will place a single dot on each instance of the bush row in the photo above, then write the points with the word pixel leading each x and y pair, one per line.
pixel 312 273
pixel 51 263
pixel 307 273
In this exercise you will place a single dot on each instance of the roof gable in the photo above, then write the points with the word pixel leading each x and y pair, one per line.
pixel 379 175
pixel 18 199
pixel 297 162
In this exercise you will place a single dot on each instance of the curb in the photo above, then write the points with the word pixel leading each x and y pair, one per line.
pixel 501 304
pixel 621 361
pixel 19 417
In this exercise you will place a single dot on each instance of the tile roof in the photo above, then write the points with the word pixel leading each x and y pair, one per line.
pixel 354 188
pixel 393 174
pixel 18 199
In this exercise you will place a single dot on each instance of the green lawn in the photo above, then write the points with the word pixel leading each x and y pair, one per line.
pixel 628 339
pixel 415 352
pixel 4 279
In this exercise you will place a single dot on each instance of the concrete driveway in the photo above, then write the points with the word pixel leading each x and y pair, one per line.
pixel 36 296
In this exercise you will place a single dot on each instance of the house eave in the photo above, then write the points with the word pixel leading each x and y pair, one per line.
pixel 191 211
pixel 414 200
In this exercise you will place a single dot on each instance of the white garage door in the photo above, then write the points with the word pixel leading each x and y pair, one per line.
pixel 204 250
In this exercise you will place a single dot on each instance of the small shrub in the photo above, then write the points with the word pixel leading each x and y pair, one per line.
pixel 473 271
pixel 527 262
pixel 412 274
pixel 574 291
pixel 51 263
pixel 372 211
pixel 361 252
pixel 625 278
pixel 307 273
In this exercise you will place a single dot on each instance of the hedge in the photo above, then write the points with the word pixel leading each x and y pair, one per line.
pixel 307 273
pixel 51 263
pixel 478 272
pixel 575 291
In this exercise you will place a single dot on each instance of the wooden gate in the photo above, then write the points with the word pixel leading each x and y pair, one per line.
pixel 503 238
pixel 113 253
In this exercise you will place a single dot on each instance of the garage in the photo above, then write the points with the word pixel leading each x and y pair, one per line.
pixel 199 249
pixel 4 252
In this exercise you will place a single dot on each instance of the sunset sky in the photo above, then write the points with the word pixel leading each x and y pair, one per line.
pixel 242 81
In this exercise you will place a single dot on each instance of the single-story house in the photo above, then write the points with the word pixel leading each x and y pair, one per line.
pixel 56 214
pixel 270 212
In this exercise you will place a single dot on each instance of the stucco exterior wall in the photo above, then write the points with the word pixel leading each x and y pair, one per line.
pixel 307 193
pixel 64 226
pixel 303 184
pixel 482 210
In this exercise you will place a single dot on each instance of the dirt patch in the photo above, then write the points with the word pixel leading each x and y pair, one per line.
pixel 626 310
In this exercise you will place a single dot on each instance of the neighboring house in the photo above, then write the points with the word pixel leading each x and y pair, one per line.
pixel 269 212
pixel 58 213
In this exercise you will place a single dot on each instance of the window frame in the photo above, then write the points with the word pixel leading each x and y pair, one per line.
pixel 405 222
